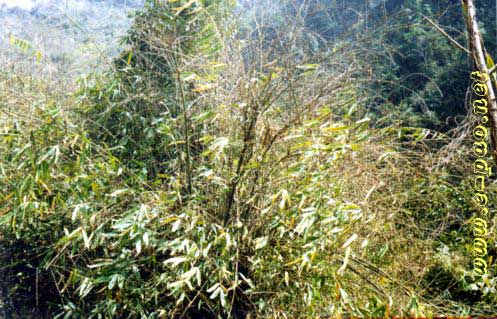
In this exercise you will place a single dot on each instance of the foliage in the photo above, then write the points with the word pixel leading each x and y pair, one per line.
pixel 419 78
pixel 225 167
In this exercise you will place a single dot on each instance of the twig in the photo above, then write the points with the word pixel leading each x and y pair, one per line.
pixel 454 42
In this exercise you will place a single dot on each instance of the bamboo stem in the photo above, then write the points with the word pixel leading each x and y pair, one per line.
pixel 479 54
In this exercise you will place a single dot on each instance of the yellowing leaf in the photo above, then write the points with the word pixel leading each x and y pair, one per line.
pixel 202 88
pixel 179 142
pixel 293 262
pixel 168 220
pixel 218 65
pixel 38 56
pixel 130 54
pixel 490 61
pixel 337 128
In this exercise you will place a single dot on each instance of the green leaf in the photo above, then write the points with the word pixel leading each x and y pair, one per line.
pixel 113 281
pixel 204 116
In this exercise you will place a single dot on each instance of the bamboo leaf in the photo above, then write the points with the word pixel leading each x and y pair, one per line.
pixel 130 54
pixel 175 261
pixel 336 128
pixel 490 61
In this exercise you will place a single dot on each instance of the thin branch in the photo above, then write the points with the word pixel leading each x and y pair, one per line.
pixel 454 42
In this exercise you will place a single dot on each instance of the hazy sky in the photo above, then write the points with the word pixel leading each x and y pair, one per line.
pixel 25 4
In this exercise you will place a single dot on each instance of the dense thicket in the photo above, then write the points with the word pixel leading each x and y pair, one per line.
pixel 234 161
pixel 419 77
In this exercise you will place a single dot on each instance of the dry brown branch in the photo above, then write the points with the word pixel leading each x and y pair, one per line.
pixel 452 40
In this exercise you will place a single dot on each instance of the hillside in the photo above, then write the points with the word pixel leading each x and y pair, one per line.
pixel 73 35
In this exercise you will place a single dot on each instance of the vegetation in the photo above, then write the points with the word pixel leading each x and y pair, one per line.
pixel 246 160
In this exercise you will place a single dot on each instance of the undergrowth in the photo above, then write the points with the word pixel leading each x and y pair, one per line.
pixel 216 172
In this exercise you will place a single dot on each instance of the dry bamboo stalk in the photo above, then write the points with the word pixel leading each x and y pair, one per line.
pixel 479 57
